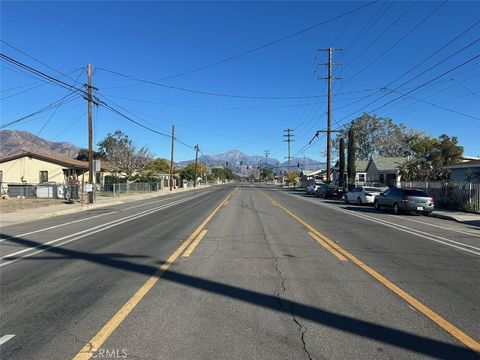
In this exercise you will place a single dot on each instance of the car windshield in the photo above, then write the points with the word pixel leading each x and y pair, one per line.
pixel 419 193
pixel 371 189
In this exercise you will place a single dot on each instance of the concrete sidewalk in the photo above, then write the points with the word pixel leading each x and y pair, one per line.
pixel 459 216
pixel 26 215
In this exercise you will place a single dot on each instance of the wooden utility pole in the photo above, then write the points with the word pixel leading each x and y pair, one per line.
pixel 196 162
pixel 171 158
pixel 329 111
pixel 266 152
pixel 90 133
pixel 288 139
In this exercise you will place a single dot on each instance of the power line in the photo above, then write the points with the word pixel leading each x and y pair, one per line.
pixel 46 108
pixel 111 108
pixel 209 93
pixel 37 60
pixel 436 105
pixel 398 41
pixel 69 92
pixel 43 75
pixel 426 83
pixel 268 44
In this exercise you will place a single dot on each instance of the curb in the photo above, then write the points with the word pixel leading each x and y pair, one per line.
pixel 86 207
pixel 79 209
pixel 444 216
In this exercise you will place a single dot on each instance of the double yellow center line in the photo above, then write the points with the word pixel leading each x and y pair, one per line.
pixel 96 342
pixel 343 255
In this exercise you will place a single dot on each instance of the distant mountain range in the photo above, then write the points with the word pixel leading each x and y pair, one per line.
pixel 14 141
pixel 242 163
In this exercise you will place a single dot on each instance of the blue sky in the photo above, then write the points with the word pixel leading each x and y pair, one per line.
pixel 154 40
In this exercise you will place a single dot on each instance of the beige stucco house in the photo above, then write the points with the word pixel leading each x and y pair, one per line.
pixel 40 167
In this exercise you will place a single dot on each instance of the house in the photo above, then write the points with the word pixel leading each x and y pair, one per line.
pixel 385 170
pixel 313 175
pixel 465 171
pixel 360 172
pixel 40 167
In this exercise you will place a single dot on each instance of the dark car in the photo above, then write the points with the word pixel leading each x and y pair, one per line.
pixel 334 192
pixel 405 200
pixel 322 190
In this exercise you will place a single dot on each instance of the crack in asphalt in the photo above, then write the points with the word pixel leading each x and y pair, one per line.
pixel 302 329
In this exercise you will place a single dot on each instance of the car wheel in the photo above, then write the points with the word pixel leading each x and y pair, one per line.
pixel 427 213
pixel 376 205
pixel 396 209
pixel 359 201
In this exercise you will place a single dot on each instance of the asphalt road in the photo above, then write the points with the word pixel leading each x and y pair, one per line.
pixel 239 272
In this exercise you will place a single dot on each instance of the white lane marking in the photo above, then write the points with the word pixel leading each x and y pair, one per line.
pixel 91 217
pixel 5 338
pixel 88 232
pixel 441 227
pixel 56 226
pixel 156 201
pixel 419 233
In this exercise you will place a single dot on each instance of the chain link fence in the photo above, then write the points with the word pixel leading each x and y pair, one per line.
pixel 120 189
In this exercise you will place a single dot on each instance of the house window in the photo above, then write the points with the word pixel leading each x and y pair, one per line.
pixel 361 177
pixel 43 176
pixel 1 176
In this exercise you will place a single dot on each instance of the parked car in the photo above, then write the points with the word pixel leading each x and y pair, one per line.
pixel 334 192
pixel 362 195
pixel 407 200
pixel 322 190
pixel 312 188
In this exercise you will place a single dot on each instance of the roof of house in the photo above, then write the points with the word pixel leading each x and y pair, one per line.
pixel 313 172
pixel 49 157
pixel 388 163
pixel 464 165
pixel 361 165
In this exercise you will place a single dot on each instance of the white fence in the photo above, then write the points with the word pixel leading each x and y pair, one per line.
pixel 464 196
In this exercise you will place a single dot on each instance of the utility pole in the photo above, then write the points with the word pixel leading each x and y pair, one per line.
pixel 288 139
pixel 171 158
pixel 266 152
pixel 329 111
pixel 196 161
pixel 90 132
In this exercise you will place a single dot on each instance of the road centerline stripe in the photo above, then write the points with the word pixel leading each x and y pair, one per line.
pixel 327 246
pixel 5 338
pixel 195 243
pixel 96 342
pixel 436 318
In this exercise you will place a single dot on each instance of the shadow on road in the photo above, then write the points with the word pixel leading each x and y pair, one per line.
pixel 388 335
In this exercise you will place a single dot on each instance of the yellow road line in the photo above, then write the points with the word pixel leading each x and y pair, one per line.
pixel 328 247
pixel 194 244
pixel 96 342
pixel 436 318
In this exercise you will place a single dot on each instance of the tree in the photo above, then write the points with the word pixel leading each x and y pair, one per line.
pixel 341 164
pixel 429 156
pixel 292 178
pixel 122 155
pixel 351 156
pixel 188 172
pixel 83 155
pixel 151 171
pixel 266 174
pixel 376 136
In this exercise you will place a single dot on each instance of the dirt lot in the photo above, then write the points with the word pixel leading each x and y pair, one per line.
pixel 11 205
